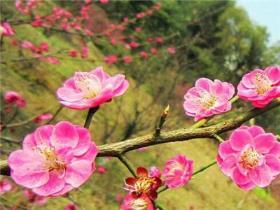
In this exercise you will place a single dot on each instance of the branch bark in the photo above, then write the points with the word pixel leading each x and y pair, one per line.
pixel 184 134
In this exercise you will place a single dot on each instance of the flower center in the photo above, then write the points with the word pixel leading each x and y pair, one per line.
pixel 52 161
pixel 139 204
pixel 262 83
pixel 250 158
pixel 207 100
pixel 143 185
pixel 89 86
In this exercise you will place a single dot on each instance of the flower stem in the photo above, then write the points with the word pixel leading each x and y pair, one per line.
pixel 164 188
pixel 199 123
pixel 90 114
pixel 234 99
pixel 126 162
pixel 220 139
pixel 55 114
pixel 204 168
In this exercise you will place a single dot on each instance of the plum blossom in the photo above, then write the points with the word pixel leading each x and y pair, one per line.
pixel 143 55
pixel 5 186
pixel 111 59
pixel 145 183
pixel 154 51
pixel 6 29
pixel 177 171
pixel 127 59
pixel 34 198
pixel 91 89
pixel 84 52
pixel 260 86
pixel 101 169
pixel 104 1
pixel 154 172
pixel 208 98
pixel 73 53
pixel 171 50
pixel 70 206
pixel 12 97
pixel 54 159
pixel 250 157
pixel 43 117
pixel 132 202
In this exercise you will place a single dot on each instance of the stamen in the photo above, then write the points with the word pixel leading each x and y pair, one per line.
pixel 250 158
pixel 52 161
pixel 262 83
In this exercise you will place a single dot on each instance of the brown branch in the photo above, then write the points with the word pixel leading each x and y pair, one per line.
pixel 184 134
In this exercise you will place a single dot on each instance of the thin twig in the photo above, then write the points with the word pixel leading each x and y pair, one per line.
pixel 55 114
pixel 90 114
pixel 127 164
pixel 204 168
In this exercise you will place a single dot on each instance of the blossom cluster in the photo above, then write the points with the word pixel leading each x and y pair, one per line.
pixel 142 190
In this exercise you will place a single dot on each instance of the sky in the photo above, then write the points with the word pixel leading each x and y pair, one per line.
pixel 265 13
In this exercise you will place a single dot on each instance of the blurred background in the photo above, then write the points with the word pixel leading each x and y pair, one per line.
pixel 162 47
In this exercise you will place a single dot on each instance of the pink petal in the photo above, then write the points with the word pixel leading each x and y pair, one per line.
pixel 228 165
pixel 225 149
pixel 42 135
pixel 78 172
pixel 31 180
pixel 256 130
pixel 275 150
pixel 26 162
pixel 99 72
pixel 54 185
pixel 273 73
pixel 64 135
pixel 29 142
pixel 122 88
pixel 204 83
pixel 247 186
pixel 239 178
pixel 261 176
pixel 239 139
pixel 264 142
pixel 273 163
pixel 69 94
pixel 65 189
pixel 84 142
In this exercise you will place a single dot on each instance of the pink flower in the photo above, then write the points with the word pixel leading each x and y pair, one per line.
pixel 260 86
pixel 101 169
pixel 111 59
pixel 104 1
pixel 208 98
pixel 159 40
pixel 250 157
pixel 154 51
pixel 131 202
pixel 49 59
pixel 73 53
pixel 6 29
pixel 43 117
pixel 91 89
pixel 143 55
pixel 54 160
pixel 127 59
pixel 44 47
pixel 140 15
pixel 70 207
pixel 154 172
pixel 27 44
pixel 12 97
pixel 177 171
pixel 5 186
pixel 171 50
pixel 134 44
pixel 84 52
pixel 34 198
pixel 144 183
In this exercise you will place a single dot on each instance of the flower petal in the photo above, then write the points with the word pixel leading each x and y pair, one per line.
pixel 64 135
pixel 261 176
pixel 78 172
pixel 239 139
pixel 264 142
